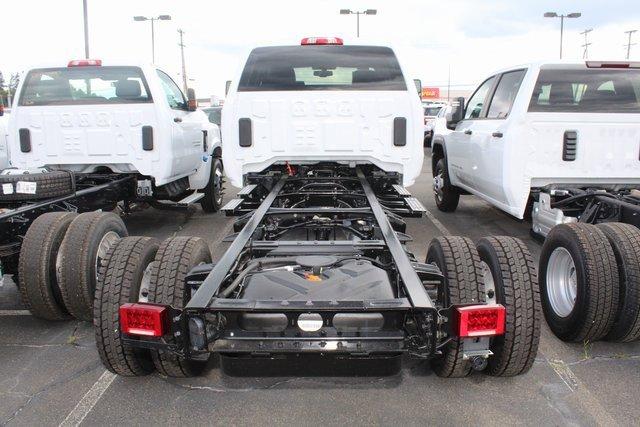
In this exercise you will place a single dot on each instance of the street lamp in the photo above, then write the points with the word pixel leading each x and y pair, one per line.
pixel 153 39
pixel 358 13
pixel 555 15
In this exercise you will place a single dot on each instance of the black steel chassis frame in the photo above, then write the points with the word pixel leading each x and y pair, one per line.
pixel 15 221
pixel 596 205
pixel 413 308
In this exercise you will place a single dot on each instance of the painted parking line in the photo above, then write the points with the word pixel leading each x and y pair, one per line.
pixel 89 400
pixel 15 313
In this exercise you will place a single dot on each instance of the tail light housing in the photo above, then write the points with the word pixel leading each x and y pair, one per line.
pixel 480 320
pixel 307 41
pixel 147 320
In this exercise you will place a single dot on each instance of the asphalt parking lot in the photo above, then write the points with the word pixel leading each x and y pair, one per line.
pixel 50 372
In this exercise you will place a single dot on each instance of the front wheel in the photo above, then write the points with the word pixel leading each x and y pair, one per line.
pixel 447 197
pixel 212 200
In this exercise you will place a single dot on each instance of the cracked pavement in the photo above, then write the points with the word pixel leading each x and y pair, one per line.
pixel 46 367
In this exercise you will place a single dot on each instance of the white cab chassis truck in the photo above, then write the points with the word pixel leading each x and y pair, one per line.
pixel 84 138
pixel 323 138
pixel 559 143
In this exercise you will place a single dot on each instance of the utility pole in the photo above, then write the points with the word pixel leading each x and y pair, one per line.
pixel 184 70
pixel 585 53
pixel 629 44
pixel 449 85
pixel 86 29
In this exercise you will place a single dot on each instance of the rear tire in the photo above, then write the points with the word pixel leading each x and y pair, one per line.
pixel 513 282
pixel 459 262
pixel 88 239
pixel 120 280
pixel 446 196
pixel 37 270
pixel 212 200
pixel 578 282
pixel 175 258
pixel 625 241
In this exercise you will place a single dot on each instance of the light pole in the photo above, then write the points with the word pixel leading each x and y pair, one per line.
pixel 358 13
pixel 86 29
pixel 629 44
pixel 555 15
pixel 585 53
pixel 153 37
pixel 184 70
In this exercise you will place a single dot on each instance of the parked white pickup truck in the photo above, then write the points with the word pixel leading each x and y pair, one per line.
pixel 86 138
pixel 559 142
pixel 87 118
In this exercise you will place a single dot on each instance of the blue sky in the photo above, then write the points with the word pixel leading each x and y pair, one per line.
pixel 471 37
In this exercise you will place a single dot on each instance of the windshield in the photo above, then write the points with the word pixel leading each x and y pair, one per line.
pixel 84 85
pixel 432 111
pixel 321 68
pixel 587 91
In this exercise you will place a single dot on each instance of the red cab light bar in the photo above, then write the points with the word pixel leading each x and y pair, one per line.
pixel 322 41
pixel 146 320
pixel 612 64
pixel 85 63
pixel 480 320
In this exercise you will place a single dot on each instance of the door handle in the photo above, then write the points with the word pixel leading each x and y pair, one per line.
pixel 468 132
pixel 177 119
pixel 497 135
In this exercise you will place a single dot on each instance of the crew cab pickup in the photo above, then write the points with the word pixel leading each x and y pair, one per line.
pixel 548 139
pixel 89 118
pixel 314 103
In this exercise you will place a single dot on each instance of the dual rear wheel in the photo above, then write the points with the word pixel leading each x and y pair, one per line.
pixel 59 258
pixel 496 270
pixel 139 269
pixel 590 282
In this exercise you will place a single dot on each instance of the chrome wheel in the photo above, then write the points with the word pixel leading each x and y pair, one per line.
pixel 438 185
pixel 562 282
pixel 217 185
pixel 107 241
pixel 489 284
pixel 143 294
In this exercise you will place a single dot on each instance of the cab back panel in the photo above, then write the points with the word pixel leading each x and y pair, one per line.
pixel 73 136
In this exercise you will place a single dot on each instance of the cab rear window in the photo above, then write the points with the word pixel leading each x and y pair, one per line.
pixel 587 91
pixel 297 68
pixel 84 85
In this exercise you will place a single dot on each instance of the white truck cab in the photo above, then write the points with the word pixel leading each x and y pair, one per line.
pixel 121 119
pixel 533 134
pixel 322 101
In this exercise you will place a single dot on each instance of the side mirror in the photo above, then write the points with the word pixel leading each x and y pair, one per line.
pixel 192 104
pixel 227 85
pixel 457 113
pixel 418 84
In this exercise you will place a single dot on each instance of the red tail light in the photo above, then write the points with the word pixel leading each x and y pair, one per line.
pixel 321 40
pixel 85 63
pixel 480 320
pixel 143 319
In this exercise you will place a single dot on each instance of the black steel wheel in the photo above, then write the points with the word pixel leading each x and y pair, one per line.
pixel 446 196
pixel 213 193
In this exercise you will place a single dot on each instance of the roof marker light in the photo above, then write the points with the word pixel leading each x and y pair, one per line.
pixel 85 63
pixel 612 64
pixel 308 41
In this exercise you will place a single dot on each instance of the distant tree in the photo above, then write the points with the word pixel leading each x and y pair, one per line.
pixel 13 83
pixel 3 92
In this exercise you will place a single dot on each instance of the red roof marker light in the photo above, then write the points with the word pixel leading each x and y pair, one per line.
pixel 480 320
pixel 147 320
pixel 308 41
pixel 85 63
pixel 612 64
